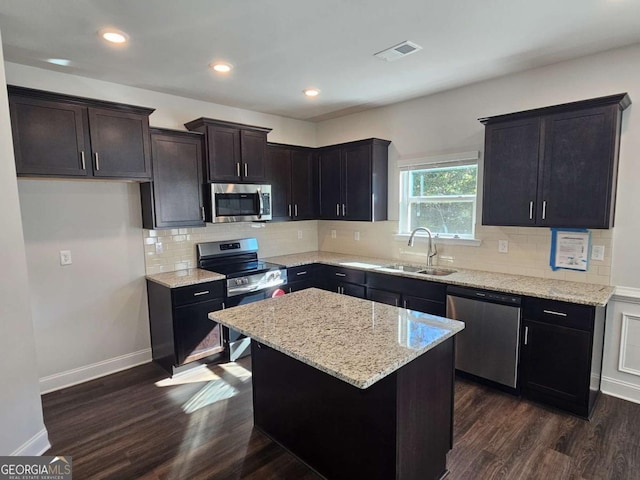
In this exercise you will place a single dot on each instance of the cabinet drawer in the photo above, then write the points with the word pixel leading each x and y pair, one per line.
pixel 436 292
pixel 197 293
pixel 301 273
pixel 562 314
pixel 346 275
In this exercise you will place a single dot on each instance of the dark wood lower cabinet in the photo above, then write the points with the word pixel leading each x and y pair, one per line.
pixel 424 305
pixel 382 296
pixel 181 331
pixel 400 427
pixel 561 357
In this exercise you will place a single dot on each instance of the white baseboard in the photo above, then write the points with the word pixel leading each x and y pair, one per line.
pixel 35 446
pixel 621 389
pixel 61 380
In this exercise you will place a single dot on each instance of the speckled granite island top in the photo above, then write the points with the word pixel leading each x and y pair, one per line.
pixel 355 340
pixel 564 291
pixel 181 278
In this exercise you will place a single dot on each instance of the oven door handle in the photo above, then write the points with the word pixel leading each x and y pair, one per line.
pixel 260 203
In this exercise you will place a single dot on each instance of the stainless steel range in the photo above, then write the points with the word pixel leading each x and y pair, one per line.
pixel 249 279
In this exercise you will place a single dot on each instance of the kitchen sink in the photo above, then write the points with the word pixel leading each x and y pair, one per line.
pixel 437 271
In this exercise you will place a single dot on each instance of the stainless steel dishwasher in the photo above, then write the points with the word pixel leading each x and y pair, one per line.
pixel 488 346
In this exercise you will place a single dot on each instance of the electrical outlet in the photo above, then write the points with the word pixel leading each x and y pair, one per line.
pixel 356 236
pixel 503 246
pixel 65 257
pixel 299 234
pixel 333 234
pixel 597 252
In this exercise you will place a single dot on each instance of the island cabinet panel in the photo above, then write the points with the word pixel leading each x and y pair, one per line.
pixel 561 359
pixel 57 135
pixel 181 331
pixel 414 294
pixel 347 281
pixel 292 174
pixel 235 152
pixel 353 181
pixel 555 166
pixel 174 197
pixel 398 428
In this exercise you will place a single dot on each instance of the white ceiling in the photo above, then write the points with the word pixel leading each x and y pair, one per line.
pixel 279 47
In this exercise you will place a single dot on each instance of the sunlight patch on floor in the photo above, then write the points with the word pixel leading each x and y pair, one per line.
pixel 211 393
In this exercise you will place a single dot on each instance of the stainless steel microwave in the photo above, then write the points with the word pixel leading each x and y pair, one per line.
pixel 236 202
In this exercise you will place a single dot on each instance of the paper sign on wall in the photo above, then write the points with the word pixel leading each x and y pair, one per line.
pixel 570 249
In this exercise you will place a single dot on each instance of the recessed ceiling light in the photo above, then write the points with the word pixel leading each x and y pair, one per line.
pixel 114 36
pixel 63 62
pixel 221 67
pixel 311 92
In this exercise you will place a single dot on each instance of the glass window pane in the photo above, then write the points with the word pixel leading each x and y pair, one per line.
pixel 459 180
pixel 451 218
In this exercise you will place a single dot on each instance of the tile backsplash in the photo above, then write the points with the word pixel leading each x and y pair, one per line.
pixel 175 249
pixel 529 248
pixel 528 251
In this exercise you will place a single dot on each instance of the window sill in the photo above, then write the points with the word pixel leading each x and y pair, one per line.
pixel 468 242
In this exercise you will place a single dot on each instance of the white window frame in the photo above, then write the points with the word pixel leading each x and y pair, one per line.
pixel 431 162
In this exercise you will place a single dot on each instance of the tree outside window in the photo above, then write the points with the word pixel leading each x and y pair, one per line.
pixel 441 198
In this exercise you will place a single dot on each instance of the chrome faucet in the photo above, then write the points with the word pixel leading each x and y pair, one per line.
pixel 432 251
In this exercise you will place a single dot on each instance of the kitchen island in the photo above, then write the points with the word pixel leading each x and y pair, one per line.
pixel 354 388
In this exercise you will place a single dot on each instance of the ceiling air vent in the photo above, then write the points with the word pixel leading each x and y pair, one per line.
pixel 398 51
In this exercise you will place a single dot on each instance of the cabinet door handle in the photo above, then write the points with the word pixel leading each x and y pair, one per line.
pixel 202 213
pixel 223 306
pixel 238 169
pixel 84 167
pixel 338 274
pixel 531 210
pixel 197 294
pixel 289 209
pixel 246 169
pixel 526 335
pixel 97 161
pixel 404 304
pixel 544 209
pixel 344 210
pixel 301 273
pixel 295 210
pixel 396 300
pixel 338 288
pixel 337 209
pixel 551 312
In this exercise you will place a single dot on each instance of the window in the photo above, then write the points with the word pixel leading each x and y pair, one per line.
pixel 440 194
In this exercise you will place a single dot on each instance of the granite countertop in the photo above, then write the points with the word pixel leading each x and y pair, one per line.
pixel 182 278
pixel 355 340
pixel 574 292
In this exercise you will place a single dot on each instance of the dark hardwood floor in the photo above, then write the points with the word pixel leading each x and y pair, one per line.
pixel 138 425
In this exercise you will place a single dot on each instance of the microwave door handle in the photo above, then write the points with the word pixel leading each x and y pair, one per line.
pixel 260 203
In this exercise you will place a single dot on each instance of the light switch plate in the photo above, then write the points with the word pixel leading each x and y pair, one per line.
pixel 503 246
pixel 597 252
pixel 65 257
pixel 356 236
pixel 333 234
pixel 299 234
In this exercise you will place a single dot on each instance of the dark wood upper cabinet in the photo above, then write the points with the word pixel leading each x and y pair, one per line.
pixel 174 198
pixel 353 181
pixel 555 166
pixel 235 152
pixel 57 135
pixel 292 174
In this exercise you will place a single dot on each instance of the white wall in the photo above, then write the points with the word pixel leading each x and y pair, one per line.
pixel 22 429
pixel 447 122
pixel 91 317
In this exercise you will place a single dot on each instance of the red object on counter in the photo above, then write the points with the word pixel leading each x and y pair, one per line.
pixel 278 293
